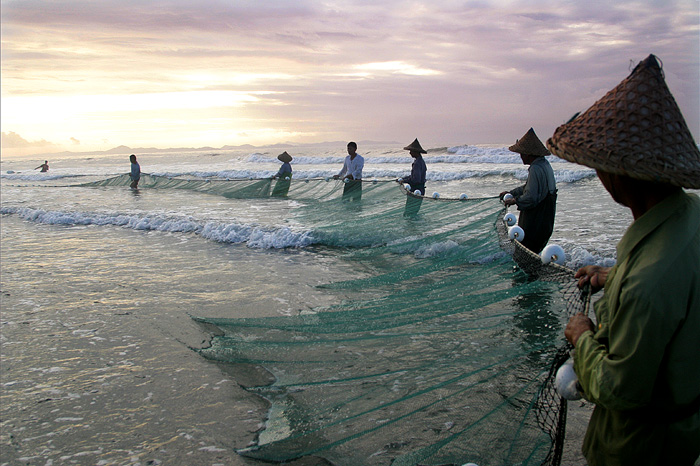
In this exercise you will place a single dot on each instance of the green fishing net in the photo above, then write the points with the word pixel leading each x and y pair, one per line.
pixel 445 355
pixel 241 189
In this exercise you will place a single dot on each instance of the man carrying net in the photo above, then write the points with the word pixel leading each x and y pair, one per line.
pixel 639 363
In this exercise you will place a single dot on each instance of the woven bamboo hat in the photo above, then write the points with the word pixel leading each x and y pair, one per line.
pixel 636 130
pixel 415 145
pixel 529 144
pixel 284 157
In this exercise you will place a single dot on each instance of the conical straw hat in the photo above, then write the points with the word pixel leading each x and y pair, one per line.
pixel 415 145
pixel 636 130
pixel 529 144
pixel 284 157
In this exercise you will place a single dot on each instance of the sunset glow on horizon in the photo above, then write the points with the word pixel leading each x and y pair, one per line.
pixel 80 75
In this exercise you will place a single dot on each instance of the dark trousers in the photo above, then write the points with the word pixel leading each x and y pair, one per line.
pixel 352 191
pixel 538 223
pixel 281 187
pixel 412 205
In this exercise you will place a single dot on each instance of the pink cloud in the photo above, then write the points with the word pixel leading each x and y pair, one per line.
pixel 496 70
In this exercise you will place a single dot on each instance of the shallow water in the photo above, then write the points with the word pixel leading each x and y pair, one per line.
pixel 99 286
pixel 95 336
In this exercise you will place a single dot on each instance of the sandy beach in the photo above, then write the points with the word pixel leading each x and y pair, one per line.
pixel 151 401
pixel 98 360
pixel 92 377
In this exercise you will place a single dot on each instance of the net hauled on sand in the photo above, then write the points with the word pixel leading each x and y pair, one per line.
pixel 440 352
pixel 444 358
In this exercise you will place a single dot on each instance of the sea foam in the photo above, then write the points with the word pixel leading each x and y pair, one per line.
pixel 254 236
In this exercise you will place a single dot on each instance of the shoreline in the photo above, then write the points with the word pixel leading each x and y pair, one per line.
pixel 97 366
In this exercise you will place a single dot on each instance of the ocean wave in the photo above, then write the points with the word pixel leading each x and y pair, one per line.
pixel 265 237
pixel 380 168
pixel 369 173
pixel 299 159
pixel 476 150
pixel 254 236
pixel 436 249
pixel 454 155
pixel 572 176
pixel 37 176
pixel 580 257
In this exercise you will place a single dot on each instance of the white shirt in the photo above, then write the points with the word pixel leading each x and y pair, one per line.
pixel 353 167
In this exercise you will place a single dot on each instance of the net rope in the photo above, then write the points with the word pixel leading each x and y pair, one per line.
pixel 438 352
pixel 252 188
pixel 551 408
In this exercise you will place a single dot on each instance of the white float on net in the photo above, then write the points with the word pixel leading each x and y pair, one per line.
pixel 436 195
pixel 553 253
pixel 508 196
pixel 463 197
pixel 516 233
pixel 510 219
pixel 566 382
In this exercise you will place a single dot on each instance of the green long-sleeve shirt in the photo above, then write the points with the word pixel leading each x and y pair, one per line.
pixel 642 364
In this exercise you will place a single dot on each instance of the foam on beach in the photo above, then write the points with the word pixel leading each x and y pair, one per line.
pixel 254 236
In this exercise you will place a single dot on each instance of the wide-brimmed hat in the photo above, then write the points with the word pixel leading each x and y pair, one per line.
pixel 636 130
pixel 284 157
pixel 529 144
pixel 415 145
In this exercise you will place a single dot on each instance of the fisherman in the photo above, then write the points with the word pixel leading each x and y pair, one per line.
pixel 416 180
pixel 418 169
pixel 639 362
pixel 283 176
pixel 537 198
pixel 352 174
pixel 135 172
pixel 286 168
pixel 44 166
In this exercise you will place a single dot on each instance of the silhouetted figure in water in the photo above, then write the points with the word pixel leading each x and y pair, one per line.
pixel 416 180
pixel 135 172
pixel 283 176
pixel 537 198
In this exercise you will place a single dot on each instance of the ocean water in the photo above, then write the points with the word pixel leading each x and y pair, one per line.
pixel 587 226
pixel 100 284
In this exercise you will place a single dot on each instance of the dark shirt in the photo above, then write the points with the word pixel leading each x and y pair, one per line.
pixel 418 171
pixel 135 171
pixel 285 168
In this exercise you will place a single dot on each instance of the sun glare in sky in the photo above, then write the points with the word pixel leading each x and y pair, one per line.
pixel 88 76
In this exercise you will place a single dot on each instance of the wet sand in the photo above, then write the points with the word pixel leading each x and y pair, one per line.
pixel 110 391
pixel 97 360
pixel 578 414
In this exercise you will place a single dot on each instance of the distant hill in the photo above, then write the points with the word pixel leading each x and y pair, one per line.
pixel 154 150
pixel 150 150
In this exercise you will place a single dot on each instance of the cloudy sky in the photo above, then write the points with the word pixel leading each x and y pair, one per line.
pixel 91 75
